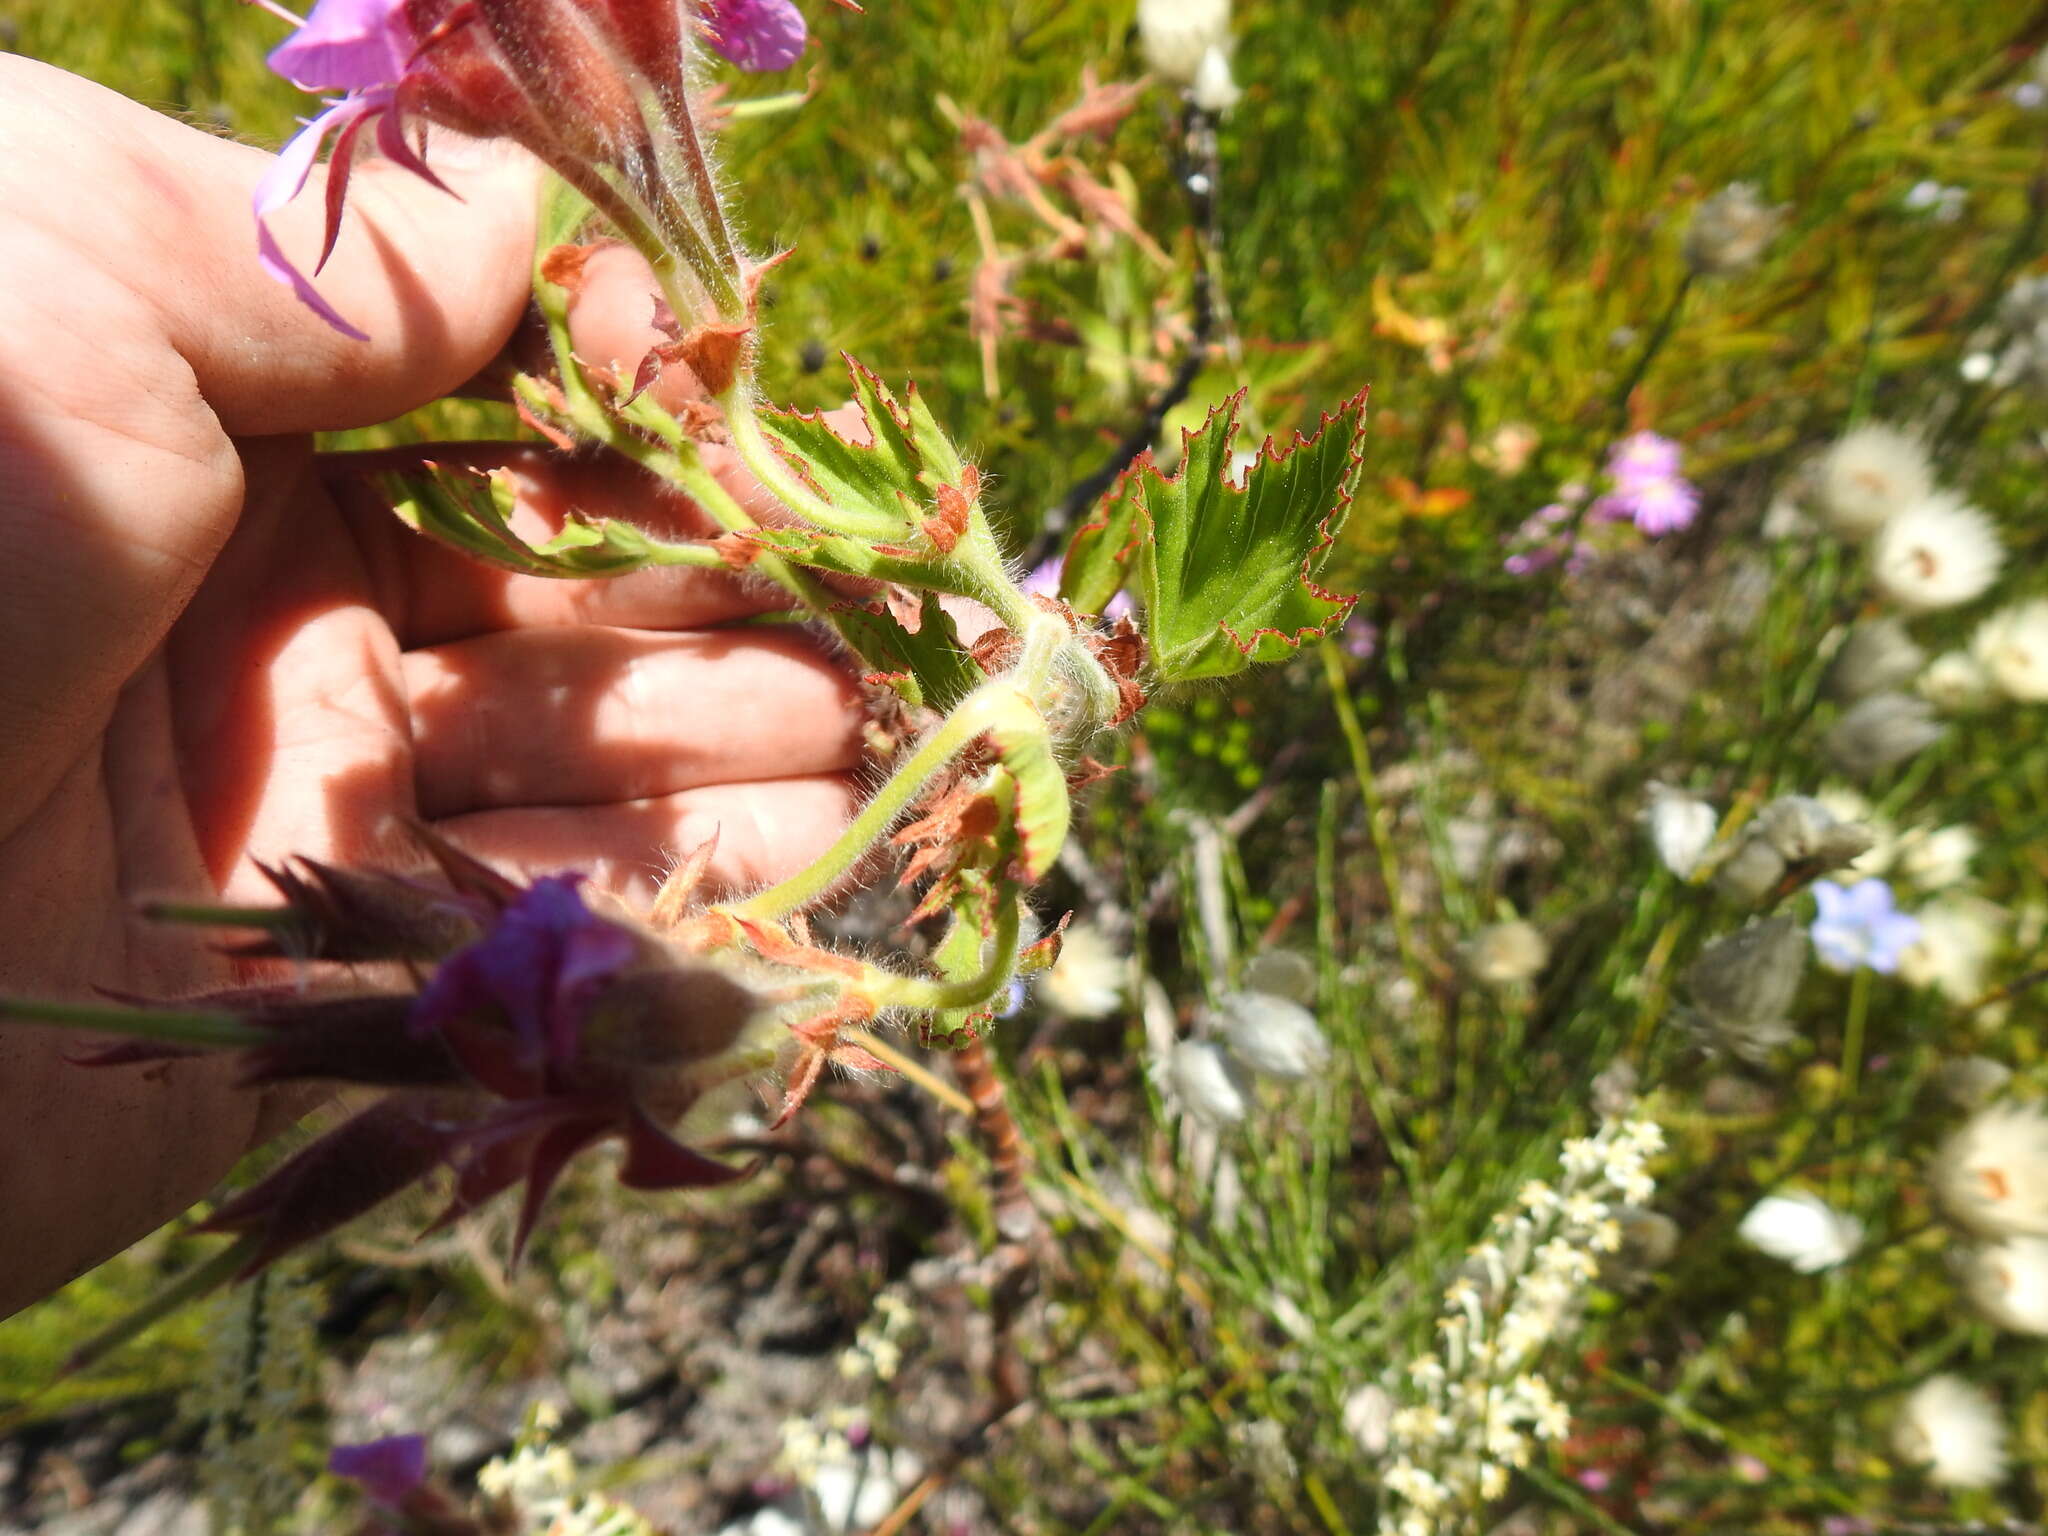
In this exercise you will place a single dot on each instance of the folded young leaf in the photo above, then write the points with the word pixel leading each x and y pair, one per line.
pixel 1227 575
pixel 905 491
pixel 468 510
pixel 930 668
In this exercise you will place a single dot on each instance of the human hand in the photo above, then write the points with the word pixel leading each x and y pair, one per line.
pixel 219 651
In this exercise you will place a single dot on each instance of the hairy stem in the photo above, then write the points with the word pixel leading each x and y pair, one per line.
pixel 986 706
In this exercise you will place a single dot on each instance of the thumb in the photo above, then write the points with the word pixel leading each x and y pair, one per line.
pixel 437 281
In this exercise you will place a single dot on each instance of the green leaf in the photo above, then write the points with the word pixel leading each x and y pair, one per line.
pixel 1105 554
pixel 468 511
pixel 935 667
pixel 1228 576
pixel 906 489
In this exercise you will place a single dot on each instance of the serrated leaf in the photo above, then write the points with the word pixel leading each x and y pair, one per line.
pixel 936 663
pixel 1105 555
pixel 1230 575
pixel 891 490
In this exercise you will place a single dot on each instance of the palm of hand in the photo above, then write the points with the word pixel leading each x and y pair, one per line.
pixel 221 654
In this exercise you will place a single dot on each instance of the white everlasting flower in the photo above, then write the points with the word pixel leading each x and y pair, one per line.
pixel 1369 1418
pixel 1087 981
pixel 1681 828
pixel 2008 1283
pixel 1176 34
pixel 1214 90
pixel 1991 1176
pixel 2012 647
pixel 1803 1230
pixel 1871 475
pixel 1940 552
pixel 1955 683
pixel 1202 1081
pixel 1935 858
pixel 1273 1035
pixel 1506 953
pixel 1954 1430
pixel 1959 936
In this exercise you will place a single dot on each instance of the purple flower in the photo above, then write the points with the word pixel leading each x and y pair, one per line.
pixel 542 963
pixel 1643 456
pixel 1859 925
pixel 1663 506
pixel 1043 580
pixel 1361 638
pixel 363 49
pixel 387 1469
pixel 1648 489
pixel 758 35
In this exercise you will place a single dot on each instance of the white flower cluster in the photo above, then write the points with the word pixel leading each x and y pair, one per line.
pixel 1479 1404
pixel 539 1481
pixel 877 1350
pixel 842 1486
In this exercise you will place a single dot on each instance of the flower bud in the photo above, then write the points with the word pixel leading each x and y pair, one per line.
pixel 1214 90
pixel 1803 1230
pixel 1505 954
pixel 1879 733
pixel 1751 872
pixel 1681 828
pixel 1741 987
pixel 1877 655
pixel 1971 1082
pixel 1273 1035
pixel 1204 1084
pixel 1177 34
pixel 1955 683
pixel 1802 830
pixel 1283 973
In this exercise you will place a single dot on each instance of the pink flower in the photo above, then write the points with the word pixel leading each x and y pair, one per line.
pixel 363 49
pixel 1643 456
pixel 1648 489
pixel 758 35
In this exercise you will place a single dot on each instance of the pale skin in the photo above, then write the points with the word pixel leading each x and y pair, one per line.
pixel 215 651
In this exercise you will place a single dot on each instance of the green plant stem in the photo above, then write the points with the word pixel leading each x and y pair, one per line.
pixel 1375 814
pixel 894 991
pixel 981 709
pixel 1666 324
pixel 223 1031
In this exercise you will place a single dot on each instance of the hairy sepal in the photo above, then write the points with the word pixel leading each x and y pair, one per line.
pixel 1228 576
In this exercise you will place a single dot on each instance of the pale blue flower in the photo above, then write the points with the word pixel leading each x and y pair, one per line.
pixel 1860 925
